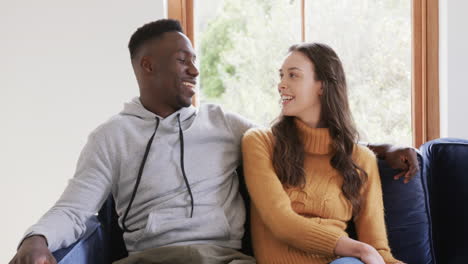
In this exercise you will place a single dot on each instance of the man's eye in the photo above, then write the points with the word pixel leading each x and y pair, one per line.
pixel 181 60
pixel 292 75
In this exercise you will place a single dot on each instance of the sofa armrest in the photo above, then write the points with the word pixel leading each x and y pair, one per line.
pixel 92 248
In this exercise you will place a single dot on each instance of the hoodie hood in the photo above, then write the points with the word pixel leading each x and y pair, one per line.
pixel 136 108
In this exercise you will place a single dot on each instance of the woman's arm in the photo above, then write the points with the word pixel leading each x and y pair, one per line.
pixel 274 205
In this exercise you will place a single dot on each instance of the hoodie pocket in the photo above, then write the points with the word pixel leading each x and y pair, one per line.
pixel 163 229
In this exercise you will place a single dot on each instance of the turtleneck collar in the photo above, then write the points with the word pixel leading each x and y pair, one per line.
pixel 315 140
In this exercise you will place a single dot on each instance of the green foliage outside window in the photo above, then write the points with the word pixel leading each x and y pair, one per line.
pixel 242 43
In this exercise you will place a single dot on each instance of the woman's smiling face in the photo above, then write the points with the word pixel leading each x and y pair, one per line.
pixel 299 90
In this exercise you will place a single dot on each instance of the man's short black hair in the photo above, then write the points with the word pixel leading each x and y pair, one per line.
pixel 150 31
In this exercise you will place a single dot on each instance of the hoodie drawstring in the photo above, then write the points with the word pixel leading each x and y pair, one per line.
pixel 140 172
pixel 142 165
pixel 181 136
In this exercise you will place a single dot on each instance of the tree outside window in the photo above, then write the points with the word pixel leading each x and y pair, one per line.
pixel 241 44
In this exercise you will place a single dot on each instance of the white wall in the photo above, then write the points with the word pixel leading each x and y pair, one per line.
pixel 64 69
pixel 453 60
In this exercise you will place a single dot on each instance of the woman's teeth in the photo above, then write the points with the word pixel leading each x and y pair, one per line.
pixel 286 98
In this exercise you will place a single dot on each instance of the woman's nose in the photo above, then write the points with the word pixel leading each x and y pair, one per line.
pixel 281 86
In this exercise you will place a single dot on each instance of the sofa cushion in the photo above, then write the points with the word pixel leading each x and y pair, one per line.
pixel 446 167
pixel 407 216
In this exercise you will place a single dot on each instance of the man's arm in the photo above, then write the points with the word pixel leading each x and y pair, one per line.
pixel 403 158
pixel 238 124
pixel 65 222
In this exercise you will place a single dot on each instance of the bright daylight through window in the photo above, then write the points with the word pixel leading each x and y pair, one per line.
pixel 241 44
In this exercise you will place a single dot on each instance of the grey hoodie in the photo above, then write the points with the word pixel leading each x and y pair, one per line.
pixel 160 214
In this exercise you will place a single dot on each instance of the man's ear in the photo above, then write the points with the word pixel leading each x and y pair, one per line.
pixel 146 64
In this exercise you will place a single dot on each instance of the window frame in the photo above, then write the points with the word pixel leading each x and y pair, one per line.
pixel 425 113
pixel 425 71
pixel 183 11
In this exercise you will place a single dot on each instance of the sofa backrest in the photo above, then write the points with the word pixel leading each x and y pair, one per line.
pixel 407 216
pixel 112 232
pixel 446 169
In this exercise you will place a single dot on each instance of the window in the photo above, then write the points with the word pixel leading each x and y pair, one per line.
pixel 241 50
pixel 241 45
pixel 373 40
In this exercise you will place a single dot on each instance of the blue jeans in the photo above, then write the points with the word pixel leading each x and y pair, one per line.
pixel 347 260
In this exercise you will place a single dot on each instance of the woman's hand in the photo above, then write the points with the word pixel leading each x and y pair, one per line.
pixel 369 255
pixel 348 247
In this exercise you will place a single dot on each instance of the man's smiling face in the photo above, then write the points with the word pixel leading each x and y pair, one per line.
pixel 168 66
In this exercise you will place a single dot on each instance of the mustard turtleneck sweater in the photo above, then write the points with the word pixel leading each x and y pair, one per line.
pixel 303 225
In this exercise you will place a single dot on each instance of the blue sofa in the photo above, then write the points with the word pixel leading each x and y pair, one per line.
pixel 426 218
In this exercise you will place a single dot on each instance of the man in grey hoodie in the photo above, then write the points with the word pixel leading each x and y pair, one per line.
pixel 170 167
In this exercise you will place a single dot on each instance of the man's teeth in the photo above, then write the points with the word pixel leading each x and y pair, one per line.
pixel 188 84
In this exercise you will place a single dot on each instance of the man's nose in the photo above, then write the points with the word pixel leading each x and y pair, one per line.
pixel 192 70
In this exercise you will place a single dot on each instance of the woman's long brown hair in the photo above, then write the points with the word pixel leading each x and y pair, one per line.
pixel 288 153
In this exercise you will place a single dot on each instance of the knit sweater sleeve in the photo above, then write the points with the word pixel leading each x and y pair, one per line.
pixel 274 205
pixel 370 223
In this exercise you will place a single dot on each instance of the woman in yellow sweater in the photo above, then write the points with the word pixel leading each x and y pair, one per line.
pixel 308 178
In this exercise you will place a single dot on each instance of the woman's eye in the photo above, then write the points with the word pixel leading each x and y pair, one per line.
pixel 292 75
pixel 181 60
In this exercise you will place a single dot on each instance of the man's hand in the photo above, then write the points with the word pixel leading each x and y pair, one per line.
pixel 33 250
pixel 403 158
